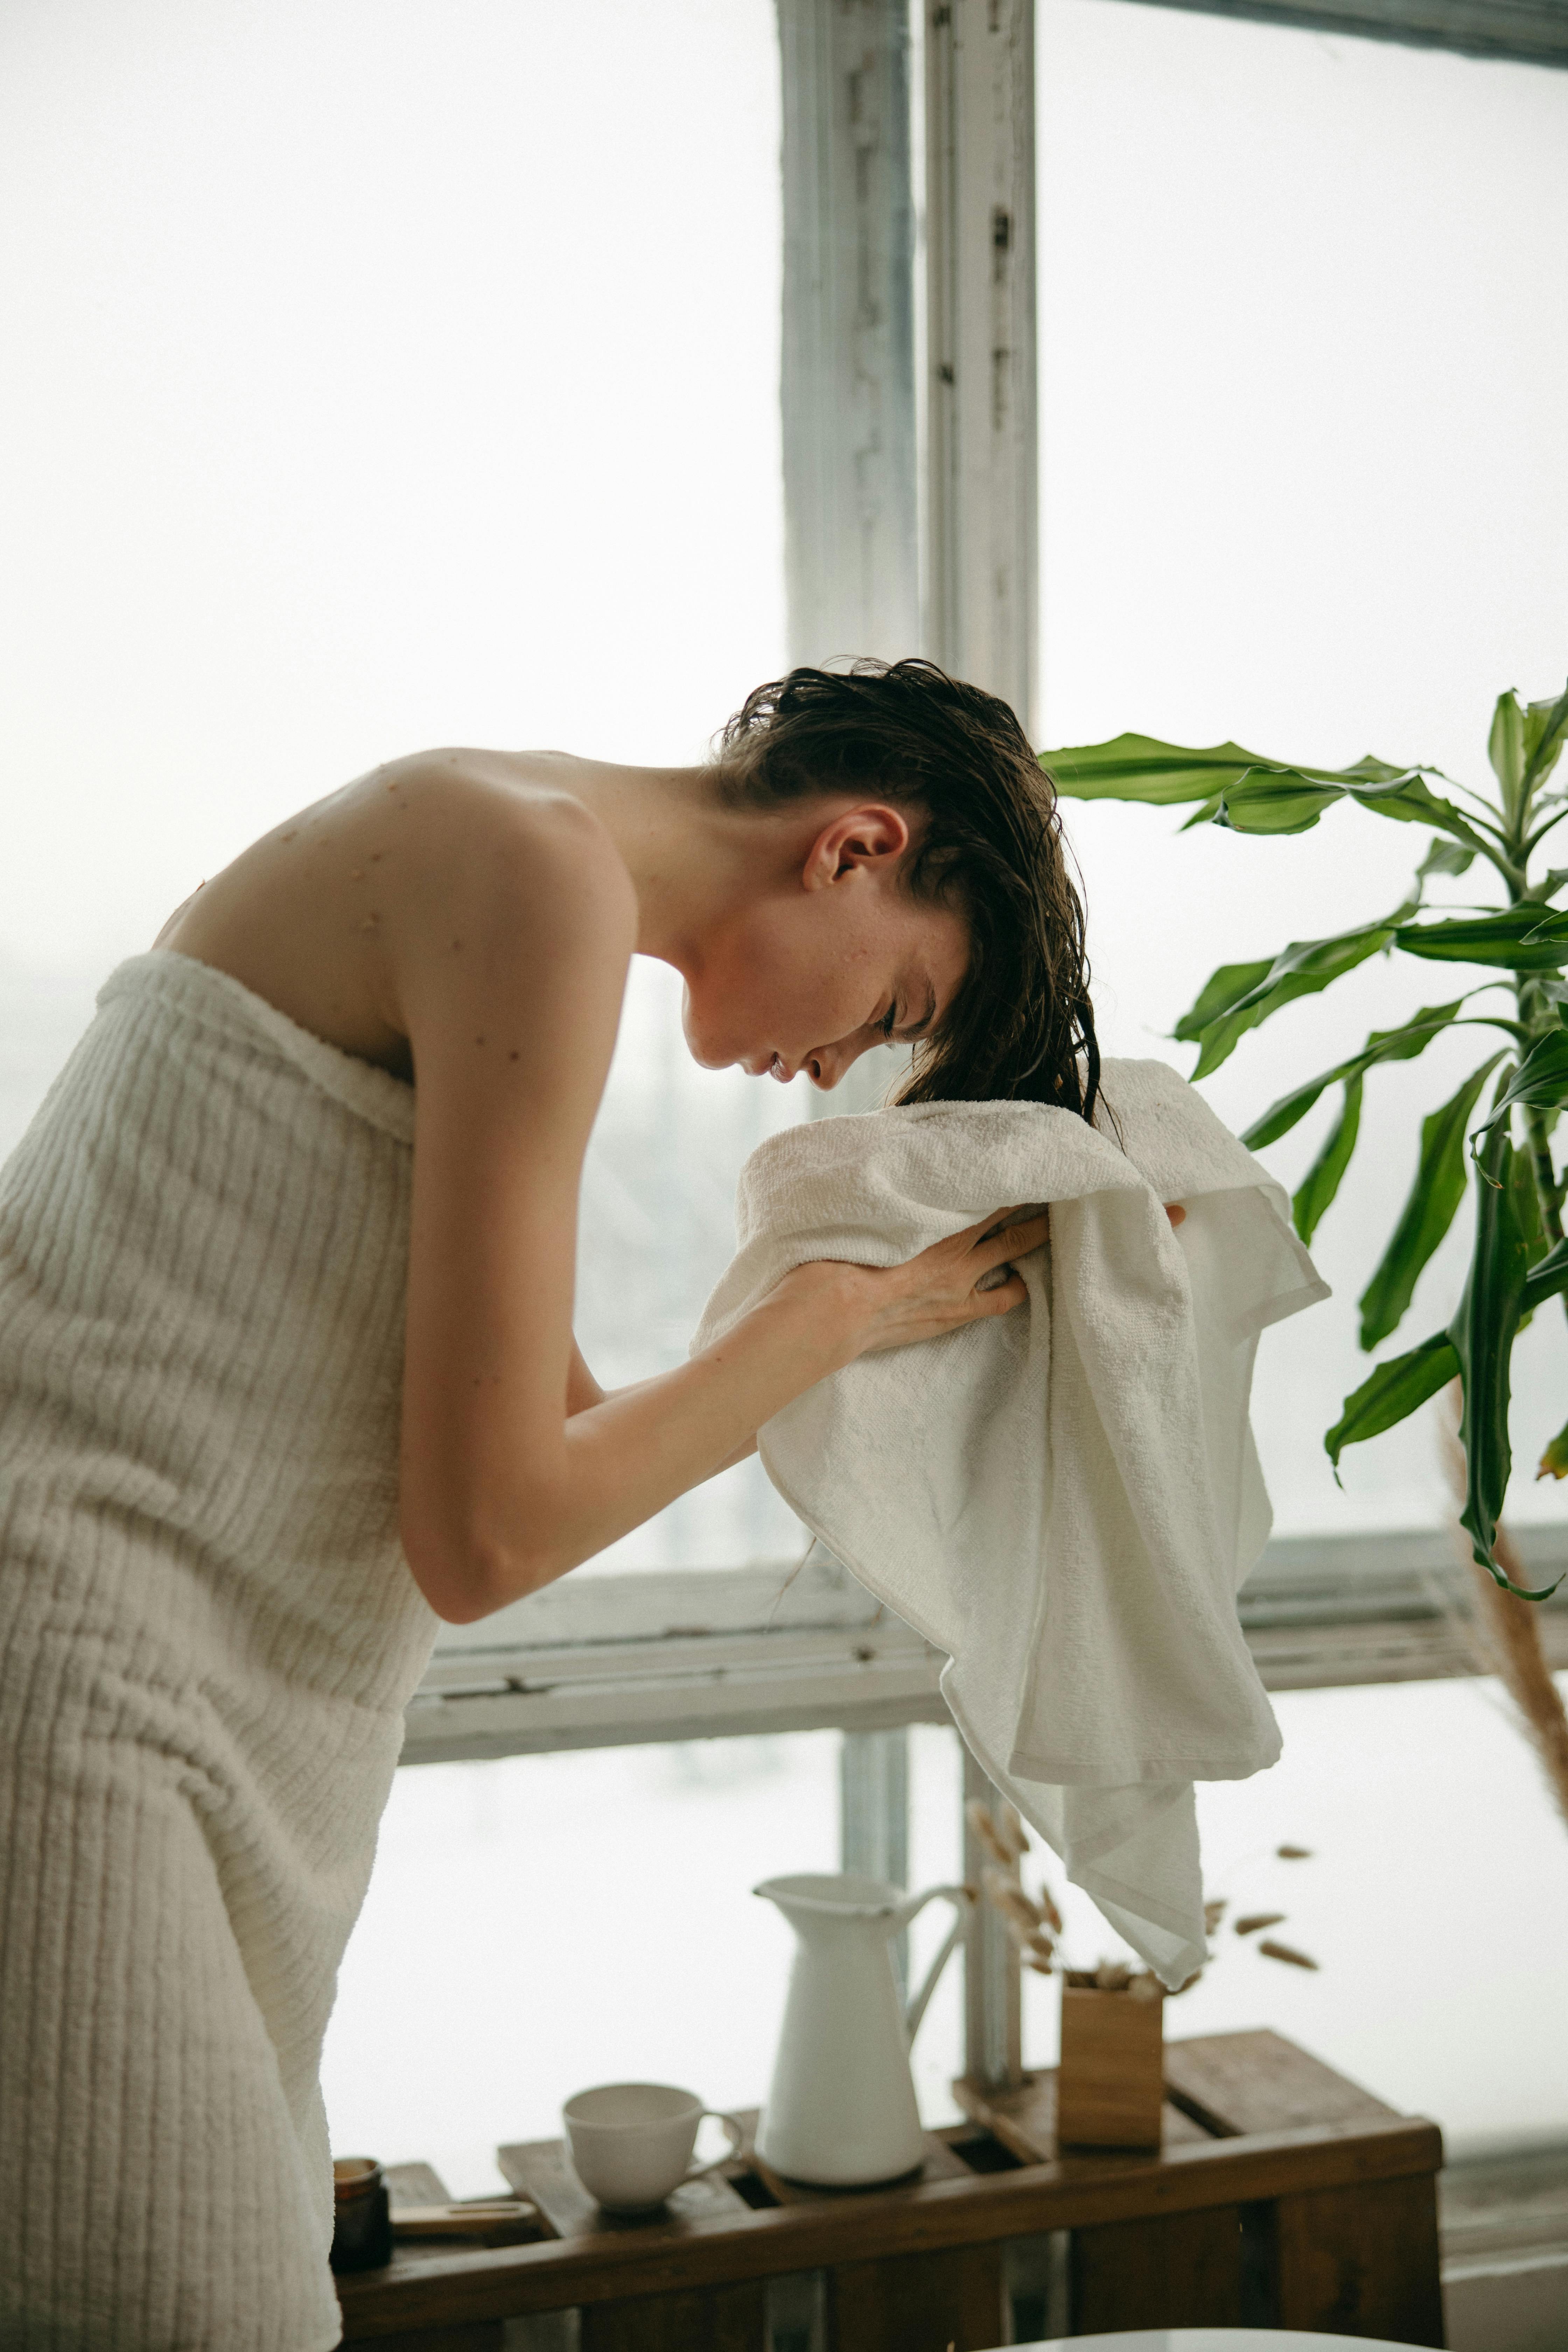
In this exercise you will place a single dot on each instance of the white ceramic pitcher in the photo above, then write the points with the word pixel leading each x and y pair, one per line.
pixel 841 2109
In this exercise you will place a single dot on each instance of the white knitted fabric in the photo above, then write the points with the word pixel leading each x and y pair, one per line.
pixel 208 1636
pixel 1065 1498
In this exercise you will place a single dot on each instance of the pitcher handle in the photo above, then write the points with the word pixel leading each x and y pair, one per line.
pixel 961 1898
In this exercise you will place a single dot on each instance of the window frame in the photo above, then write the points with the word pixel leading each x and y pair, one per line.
pixel 711 1654
pixel 910 431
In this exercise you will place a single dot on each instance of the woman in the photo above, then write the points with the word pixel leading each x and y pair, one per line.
pixel 287 1373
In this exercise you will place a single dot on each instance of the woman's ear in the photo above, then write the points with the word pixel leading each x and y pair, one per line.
pixel 870 840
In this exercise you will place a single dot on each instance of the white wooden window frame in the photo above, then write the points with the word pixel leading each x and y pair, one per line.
pixel 708 1654
pixel 909 447
pixel 909 436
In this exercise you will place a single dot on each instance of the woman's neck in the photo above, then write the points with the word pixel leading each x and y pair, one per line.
pixel 690 859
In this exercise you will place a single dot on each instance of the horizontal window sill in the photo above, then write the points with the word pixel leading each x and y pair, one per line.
pixel 612 1661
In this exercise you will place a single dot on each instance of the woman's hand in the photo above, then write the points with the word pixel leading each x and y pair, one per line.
pixel 970 1275
pixel 964 1279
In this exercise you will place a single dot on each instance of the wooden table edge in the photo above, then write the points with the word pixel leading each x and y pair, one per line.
pixel 556 2273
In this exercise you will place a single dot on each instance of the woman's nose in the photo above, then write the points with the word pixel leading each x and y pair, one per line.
pixel 825 1064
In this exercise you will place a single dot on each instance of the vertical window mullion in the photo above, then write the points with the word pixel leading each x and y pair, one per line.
pixel 874 1816
pixel 981 598
pixel 848 366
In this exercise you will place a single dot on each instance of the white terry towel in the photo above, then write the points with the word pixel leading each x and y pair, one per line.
pixel 208 1634
pixel 1065 1498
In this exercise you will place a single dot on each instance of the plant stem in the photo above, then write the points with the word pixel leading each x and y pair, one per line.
pixel 1510 1640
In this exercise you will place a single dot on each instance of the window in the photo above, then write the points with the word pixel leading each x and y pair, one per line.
pixel 377 379
pixel 383 374
pixel 1303 349
pixel 1303 345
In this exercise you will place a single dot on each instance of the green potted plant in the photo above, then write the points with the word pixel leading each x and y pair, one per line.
pixel 1509 955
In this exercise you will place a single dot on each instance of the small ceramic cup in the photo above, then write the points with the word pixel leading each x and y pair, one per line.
pixel 631 2142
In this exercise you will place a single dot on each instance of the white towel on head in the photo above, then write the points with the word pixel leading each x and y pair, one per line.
pixel 1065 1498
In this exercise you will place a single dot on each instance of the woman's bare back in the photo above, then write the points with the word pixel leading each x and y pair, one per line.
pixel 467 918
pixel 321 916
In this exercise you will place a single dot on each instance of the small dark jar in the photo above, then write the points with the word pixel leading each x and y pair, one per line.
pixel 362 2231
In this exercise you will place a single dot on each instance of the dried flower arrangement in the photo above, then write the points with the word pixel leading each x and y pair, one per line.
pixel 1034 1924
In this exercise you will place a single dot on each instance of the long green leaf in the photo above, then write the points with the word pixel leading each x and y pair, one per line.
pixel 1505 749
pixel 1540 1081
pixel 1321 1181
pixel 1546 1277
pixel 1392 1393
pixel 1400 1045
pixel 1227 1010
pixel 1442 857
pixel 1221 990
pixel 1520 939
pixel 1143 767
pixel 1435 1196
pixel 1527 1209
pixel 1545 732
pixel 1243 791
pixel 1283 802
pixel 1272 804
pixel 1482 1333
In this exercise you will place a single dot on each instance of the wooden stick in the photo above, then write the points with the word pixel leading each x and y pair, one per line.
pixel 479 2218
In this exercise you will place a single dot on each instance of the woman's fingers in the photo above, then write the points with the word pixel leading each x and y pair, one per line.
pixel 971 1274
pixel 999 1292
pixel 996 1222
pixel 996 1277
pixel 1004 1225
pixel 1014 1235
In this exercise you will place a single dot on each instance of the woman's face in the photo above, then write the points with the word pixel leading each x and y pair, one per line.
pixel 832 958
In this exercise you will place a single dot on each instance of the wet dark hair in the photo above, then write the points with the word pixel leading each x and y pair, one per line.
pixel 1021 1026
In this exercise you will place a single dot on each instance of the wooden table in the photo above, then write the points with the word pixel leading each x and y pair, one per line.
pixel 1283 2196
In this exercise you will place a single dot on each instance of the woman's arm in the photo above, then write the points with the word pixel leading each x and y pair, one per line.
pixel 506 963
pixel 640 1448
pixel 582 1389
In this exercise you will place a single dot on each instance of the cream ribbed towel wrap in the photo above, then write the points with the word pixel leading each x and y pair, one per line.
pixel 208 1636
pixel 1063 1499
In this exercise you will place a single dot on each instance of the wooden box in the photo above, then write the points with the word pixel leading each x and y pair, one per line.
pixel 1281 2196
pixel 1111 2088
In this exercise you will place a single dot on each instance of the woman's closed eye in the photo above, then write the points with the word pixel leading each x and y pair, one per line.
pixel 897 1018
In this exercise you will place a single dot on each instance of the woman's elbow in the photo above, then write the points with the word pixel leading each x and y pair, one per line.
pixel 465 1581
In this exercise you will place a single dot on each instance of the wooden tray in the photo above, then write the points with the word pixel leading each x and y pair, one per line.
pixel 1283 2196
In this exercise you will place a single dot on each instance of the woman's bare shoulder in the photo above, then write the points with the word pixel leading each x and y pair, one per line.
pixel 369 903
